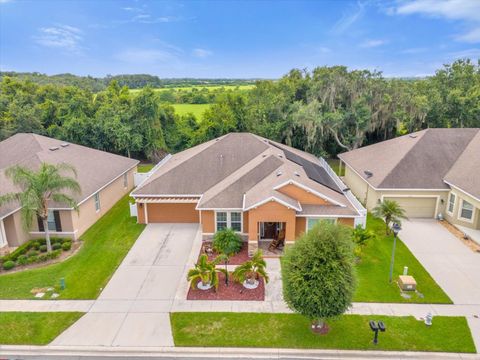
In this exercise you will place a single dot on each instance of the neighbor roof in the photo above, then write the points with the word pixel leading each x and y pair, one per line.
pixel 239 171
pixel 94 168
pixel 420 160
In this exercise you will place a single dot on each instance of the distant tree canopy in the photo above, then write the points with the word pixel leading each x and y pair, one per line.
pixel 325 111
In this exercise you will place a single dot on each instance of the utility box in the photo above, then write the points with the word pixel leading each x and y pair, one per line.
pixel 407 283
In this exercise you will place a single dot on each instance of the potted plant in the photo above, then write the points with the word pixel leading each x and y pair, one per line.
pixel 250 271
pixel 204 275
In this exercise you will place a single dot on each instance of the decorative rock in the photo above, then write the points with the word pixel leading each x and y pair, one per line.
pixel 39 295
pixel 50 289
pixel 248 285
pixel 201 286
pixel 55 295
pixel 405 296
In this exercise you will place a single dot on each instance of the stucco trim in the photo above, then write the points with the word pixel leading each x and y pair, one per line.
pixel 273 198
pixel 463 191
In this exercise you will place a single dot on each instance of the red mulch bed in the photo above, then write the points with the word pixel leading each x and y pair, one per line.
pixel 236 259
pixel 234 291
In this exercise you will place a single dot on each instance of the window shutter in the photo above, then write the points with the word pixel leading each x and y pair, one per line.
pixel 58 224
pixel 40 224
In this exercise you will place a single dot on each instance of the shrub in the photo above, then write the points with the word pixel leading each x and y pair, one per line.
pixel 43 248
pixel 56 246
pixel 8 265
pixel 36 245
pixel 32 259
pixel 318 273
pixel 32 253
pixel 66 246
pixel 22 260
pixel 227 241
pixel 43 257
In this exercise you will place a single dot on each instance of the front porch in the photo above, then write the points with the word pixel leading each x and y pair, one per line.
pixel 270 238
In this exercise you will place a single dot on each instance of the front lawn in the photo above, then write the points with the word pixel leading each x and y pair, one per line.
pixel 374 268
pixel 30 328
pixel 105 245
pixel 447 334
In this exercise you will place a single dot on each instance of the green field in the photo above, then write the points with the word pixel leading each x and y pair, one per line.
pixel 30 328
pixel 352 332
pixel 195 109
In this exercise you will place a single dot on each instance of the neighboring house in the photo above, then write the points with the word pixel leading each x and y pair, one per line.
pixel 250 184
pixel 430 172
pixel 103 177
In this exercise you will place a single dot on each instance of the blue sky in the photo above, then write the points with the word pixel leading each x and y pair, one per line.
pixel 235 39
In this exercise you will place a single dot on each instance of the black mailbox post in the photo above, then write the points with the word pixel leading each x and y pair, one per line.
pixel 376 327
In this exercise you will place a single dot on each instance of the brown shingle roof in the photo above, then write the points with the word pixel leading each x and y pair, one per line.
pixel 417 161
pixel 95 168
pixel 237 171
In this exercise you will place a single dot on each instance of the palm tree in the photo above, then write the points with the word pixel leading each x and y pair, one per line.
pixel 390 211
pixel 251 270
pixel 206 272
pixel 228 243
pixel 37 189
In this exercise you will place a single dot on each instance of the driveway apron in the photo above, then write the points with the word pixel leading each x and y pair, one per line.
pixel 133 309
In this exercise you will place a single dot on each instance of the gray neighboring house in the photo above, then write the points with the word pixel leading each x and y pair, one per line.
pixel 429 172
pixel 104 179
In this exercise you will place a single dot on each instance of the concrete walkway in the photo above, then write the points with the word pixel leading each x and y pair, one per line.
pixel 453 265
pixel 133 309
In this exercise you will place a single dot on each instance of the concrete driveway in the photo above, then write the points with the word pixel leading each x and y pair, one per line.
pixel 451 263
pixel 133 309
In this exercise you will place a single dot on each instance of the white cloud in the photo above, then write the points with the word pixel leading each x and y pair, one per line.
pixel 146 56
pixel 467 53
pixel 349 18
pixel 373 43
pixel 201 53
pixel 467 11
pixel 61 36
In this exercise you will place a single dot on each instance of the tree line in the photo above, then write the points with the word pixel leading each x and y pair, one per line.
pixel 324 111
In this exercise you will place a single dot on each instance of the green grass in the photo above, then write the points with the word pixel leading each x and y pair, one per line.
pixel 335 165
pixel 195 109
pixel 447 334
pixel 374 267
pixel 30 328
pixel 143 168
pixel 105 245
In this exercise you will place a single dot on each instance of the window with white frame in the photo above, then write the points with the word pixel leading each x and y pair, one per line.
pixel 466 212
pixel 125 180
pixel 96 197
pixel 229 219
pixel 451 203
pixel 311 222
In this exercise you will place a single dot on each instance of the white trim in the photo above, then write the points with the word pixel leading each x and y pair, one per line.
pixel 457 188
pixel 437 201
pixel 164 195
pixel 3 235
pixel 166 201
pixel 152 170
pixel 459 213
pixel 329 216
pixel 219 209
pixel 54 232
pixel 273 198
pixel 145 213
pixel 228 220
pixel 390 189
pixel 448 203
pixel 106 185
pixel 308 190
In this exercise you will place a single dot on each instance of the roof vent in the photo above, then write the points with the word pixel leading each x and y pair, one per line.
pixel 346 189
pixel 53 148
pixel 279 172
pixel 280 156
pixel 412 136
pixel 64 144
pixel 368 173
pixel 296 174
pixel 264 155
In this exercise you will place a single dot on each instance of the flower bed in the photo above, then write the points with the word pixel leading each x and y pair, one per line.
pixel 234 291
pixel 34 252
pixel 237 259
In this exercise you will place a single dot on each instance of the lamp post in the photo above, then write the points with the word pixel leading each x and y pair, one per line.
pixel 396 228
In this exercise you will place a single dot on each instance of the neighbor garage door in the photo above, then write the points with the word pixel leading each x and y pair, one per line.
pixel 172 213
pixel 421 207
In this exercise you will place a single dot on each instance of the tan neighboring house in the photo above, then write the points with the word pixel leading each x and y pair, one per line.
pixel 104 179
pixel 430 172
pixel 248 183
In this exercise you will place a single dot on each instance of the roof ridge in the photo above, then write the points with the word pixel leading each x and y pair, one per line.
pixel 463 151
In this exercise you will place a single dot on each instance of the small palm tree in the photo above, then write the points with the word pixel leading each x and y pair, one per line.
pixel 391 212
pixel 228 243
pixel 205 272
pixel 37 189
pixel 250 271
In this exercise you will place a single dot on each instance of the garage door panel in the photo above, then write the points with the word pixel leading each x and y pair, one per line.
pixel 416 207
pixel 172 213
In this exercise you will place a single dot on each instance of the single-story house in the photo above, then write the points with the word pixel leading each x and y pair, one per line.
pixel 429 172
pixel 250 184
pixel 104 178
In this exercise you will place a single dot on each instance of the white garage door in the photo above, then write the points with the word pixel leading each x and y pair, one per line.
pixel 423 207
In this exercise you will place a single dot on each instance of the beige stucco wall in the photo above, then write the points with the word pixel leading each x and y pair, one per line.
pixel 14 231
pixel 358 186
pixel 454 217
